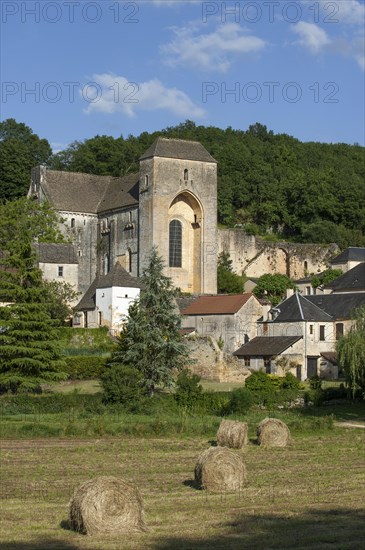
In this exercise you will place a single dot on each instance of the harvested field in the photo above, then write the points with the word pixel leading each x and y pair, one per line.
pixel 300 496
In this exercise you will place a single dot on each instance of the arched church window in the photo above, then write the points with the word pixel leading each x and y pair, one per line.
pixel 186 174
pixel 129 260
pixel 146 182
pixel 175 244
pixel 72 222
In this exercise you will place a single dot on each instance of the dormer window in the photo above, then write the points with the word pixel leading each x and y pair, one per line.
pixel 186 174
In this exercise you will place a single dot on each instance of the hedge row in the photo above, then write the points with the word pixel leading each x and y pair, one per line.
pixel 84 367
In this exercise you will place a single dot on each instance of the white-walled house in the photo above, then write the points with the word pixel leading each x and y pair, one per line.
pixel 58 262
pixel 107 301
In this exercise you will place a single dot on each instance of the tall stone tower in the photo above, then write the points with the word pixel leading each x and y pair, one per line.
pixel 178 212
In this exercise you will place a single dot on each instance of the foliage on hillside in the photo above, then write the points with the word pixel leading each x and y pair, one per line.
pixel 313 192
pixel 267 183
pixel 20 151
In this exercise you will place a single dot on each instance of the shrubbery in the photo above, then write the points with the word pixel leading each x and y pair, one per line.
pixel 84 367
pixel 188 390
pixel 123 384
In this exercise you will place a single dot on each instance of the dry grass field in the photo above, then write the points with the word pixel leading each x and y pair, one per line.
pixel 309 495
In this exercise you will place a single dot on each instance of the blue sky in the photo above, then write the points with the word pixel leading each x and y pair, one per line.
pixel 74 69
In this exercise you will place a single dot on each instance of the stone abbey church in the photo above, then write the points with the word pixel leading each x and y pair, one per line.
pixel 170 203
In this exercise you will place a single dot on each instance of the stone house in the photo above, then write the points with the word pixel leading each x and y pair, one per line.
pixel 317 321
pixel 230 319
pixel 58 262
pixel 349 258
pixel 261 353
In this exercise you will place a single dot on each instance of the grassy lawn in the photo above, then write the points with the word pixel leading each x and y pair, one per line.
pixel 309 495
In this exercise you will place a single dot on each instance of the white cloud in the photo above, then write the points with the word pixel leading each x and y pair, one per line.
pixel 118 95
pixel 211 51
pixel 311 36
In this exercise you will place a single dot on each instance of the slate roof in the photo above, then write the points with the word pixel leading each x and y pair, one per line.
pixel 121 192
pixel 56 253
pixel 221 304
pixel 353 254
pixel 266 346
pixel 117 276
pixel 354 280
pixel 338 306
pixel 178 149
pixel 77 192
pixel 299 308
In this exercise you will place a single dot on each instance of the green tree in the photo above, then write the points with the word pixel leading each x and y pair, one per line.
pixel 29 352
pixel 326 277
pixel 351 353
pixel 151 340
pixel 273 287
pixel 23 222
pixel 228 282
pixel 60 296
pixel 20 151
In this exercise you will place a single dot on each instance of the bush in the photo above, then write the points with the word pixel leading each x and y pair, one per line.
pixel 84 368
pixel 241 401
pixel 123 384
pixel 188 390
pixel 262 387
pixel 290 382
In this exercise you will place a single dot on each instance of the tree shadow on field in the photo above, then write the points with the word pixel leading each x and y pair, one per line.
pixel 39 544
pixel 316 528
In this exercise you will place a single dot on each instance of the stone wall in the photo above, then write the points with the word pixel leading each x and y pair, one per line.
pixel 255 257
pixel 211 363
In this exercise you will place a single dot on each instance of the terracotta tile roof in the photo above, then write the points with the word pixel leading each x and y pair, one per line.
pixel 266 346
pixel 178 149
pixel 222 304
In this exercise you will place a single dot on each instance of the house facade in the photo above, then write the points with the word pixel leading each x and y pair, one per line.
pixel 230 319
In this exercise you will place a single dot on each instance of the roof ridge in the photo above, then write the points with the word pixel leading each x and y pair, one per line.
pixel 317 307
pixel 300 306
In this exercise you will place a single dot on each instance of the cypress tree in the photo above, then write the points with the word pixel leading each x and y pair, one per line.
pixel 151 340
pixel 29 353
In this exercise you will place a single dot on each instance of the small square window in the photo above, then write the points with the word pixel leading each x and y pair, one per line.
pixel 247 361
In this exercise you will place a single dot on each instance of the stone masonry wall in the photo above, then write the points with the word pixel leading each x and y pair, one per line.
pixel 211 363
pixel 255 257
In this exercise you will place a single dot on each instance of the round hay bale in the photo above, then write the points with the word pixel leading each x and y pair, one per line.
pixel 220 469
pixel 232 433
pixel 272 432
pixel 106 505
